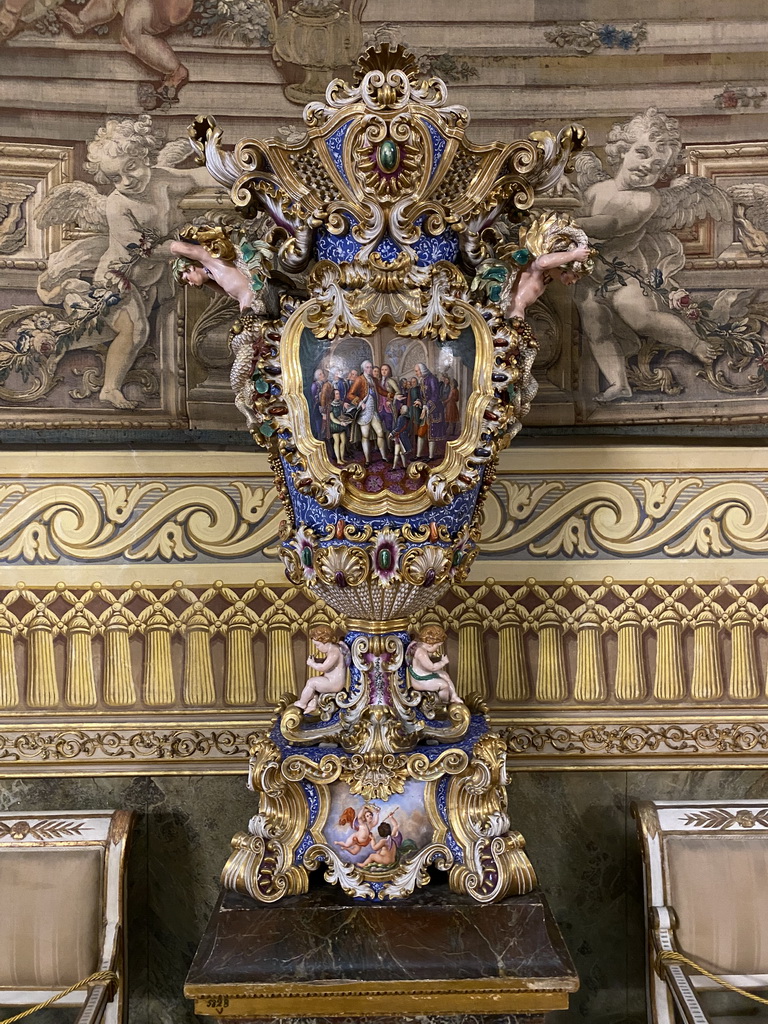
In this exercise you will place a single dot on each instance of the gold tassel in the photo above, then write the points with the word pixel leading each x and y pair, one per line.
pixel 551 680
pixel 43 691
pixel 198 685
pixel 240 677
pixel 471 673
pixel 513 683
pixel 158 668
pixel 119 688
pixel 590 668
pixel 79 684
pixel 9 684
pixel 669 680
pixel 707 678
pixel 281 673
pixel 744 683
pixel 630 683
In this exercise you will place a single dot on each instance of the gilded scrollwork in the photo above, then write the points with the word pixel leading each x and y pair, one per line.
pixel 140 522
pixel 637 741
pixel 415 873
pixel 595 744
pixel 632 517
pixel 262 862
pixel 494 863
pixel 536 515
pixel 118 745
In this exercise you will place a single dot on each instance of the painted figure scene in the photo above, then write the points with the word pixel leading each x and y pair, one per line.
pixel 387 403
pixel 378 835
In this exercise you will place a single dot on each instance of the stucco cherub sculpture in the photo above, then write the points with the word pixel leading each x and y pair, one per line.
pixel 426 672
pixel 332 668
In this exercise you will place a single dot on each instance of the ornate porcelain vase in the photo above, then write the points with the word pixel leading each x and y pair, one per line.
pixel 378 366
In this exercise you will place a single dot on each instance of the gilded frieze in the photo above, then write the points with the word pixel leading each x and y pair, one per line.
pixel 617 618
pixel 650 504
pixel 142 678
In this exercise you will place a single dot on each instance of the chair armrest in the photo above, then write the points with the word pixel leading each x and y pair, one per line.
pixel 675 975
pixel 95 1005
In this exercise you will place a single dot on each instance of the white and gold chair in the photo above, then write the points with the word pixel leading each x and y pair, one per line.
pixel 705 868
pixel 62 881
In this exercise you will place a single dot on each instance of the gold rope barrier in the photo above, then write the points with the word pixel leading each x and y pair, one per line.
pixel 670 956
pixel 92 979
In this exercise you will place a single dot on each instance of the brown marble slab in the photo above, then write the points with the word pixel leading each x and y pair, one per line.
pixel 328 955
pixel 461 1018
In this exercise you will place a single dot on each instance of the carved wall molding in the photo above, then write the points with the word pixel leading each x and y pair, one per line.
pixel 46 167
pixel 664 673
pixel 664 744
pixel 143 521
pixel 163 748
pixel 621 618
pixel 569 504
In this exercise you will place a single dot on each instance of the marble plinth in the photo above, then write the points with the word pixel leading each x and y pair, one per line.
pixel 436 955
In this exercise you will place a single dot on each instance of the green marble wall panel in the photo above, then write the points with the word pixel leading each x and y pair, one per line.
pixel 579 833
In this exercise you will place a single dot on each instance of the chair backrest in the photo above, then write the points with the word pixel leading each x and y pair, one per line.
pixel 709 863
pixel 62 898
pixel 705 866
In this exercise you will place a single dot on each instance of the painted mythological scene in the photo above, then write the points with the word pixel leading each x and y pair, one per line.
pixel 387 402
pixel 378 835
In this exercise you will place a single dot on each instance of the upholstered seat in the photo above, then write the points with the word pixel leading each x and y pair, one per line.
pixel 61 893
pixel 705 868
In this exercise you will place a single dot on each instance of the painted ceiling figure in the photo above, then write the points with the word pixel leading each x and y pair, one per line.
pixel 144 23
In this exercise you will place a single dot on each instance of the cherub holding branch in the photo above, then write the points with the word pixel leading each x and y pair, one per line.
pixel 128 244
pixel 632 222
pixel 331 669
pixel 427 669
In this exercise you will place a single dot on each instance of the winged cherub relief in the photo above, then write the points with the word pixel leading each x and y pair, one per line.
pixel 108 282
pixel 631 221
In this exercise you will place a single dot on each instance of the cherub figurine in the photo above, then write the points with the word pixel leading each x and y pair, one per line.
pixel 333 668
pixel 552 248
pixel 207 256
pixel 426 672
pixel 632 222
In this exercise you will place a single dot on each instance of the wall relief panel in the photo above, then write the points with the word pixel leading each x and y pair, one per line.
pixel 94 333
pixel 618 615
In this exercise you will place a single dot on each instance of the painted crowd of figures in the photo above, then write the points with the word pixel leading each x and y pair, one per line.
pixel 368 413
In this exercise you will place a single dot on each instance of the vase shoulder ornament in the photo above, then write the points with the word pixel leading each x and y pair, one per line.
pixel 383 267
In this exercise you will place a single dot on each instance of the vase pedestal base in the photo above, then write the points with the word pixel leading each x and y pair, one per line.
pixel 438 957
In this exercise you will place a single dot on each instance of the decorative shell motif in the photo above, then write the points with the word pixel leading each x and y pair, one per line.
pixel 342 566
